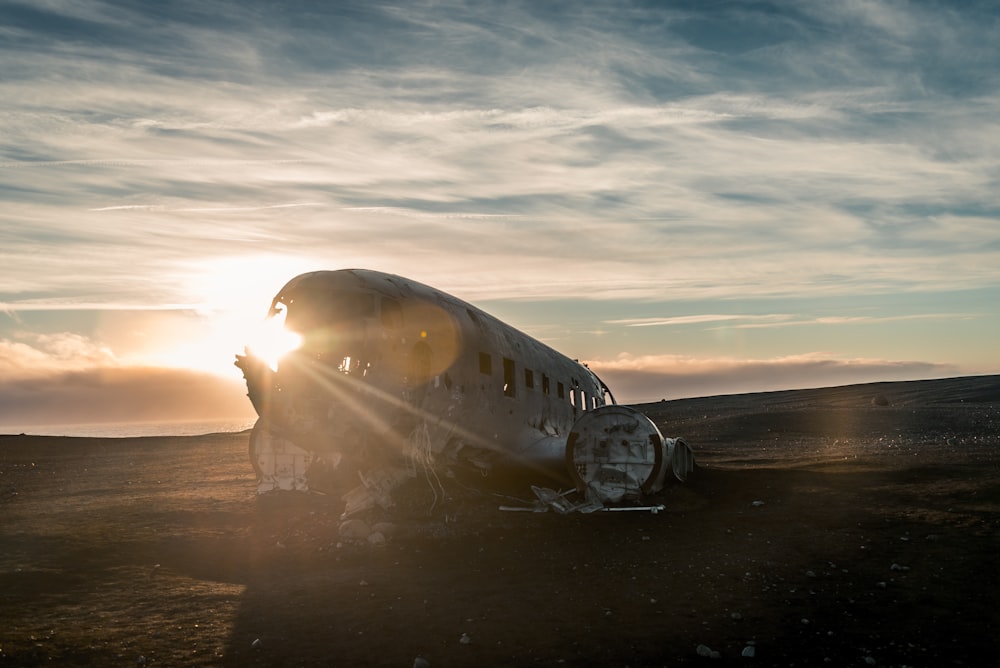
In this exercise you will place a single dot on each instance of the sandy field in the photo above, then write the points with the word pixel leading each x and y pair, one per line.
pixel 854 526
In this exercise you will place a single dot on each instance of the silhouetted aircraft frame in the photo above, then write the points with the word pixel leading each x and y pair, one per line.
pixel 392 377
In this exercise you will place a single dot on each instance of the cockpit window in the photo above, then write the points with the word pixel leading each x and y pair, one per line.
pixel 311 308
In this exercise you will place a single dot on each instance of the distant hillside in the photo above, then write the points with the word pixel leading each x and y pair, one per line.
pixel 955 410
pixel 967 389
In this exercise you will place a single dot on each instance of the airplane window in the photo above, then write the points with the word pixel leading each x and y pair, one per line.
pixel 560 390
pixel 311 307
pixel 508 377
pixel 341 305
pixel 485 363
pixel 545 384
pixel 529 378
pixel 353 366
pixel 420 363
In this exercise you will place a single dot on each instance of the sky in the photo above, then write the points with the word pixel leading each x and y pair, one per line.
pixel 695 198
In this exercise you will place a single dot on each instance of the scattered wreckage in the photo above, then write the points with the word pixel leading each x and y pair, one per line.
pixel 388 378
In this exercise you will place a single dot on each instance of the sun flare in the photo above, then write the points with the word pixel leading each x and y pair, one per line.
pixel 233 295
pixel 272 341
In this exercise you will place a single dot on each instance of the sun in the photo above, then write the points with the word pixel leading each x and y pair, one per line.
pixel 227 315
pixel 270 341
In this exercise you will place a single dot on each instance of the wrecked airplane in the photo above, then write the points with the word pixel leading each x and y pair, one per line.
pixel 390 378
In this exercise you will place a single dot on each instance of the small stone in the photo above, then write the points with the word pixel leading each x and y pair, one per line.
pixel 421 662
pixel 376 538
pixel 465 639
pixel 870 660
pixel 810 574
pixel 354 530
pixel 257 644
pixel 749 652
pixel 736 616
pixel 757 504
pixel 705 650
pixel 387 529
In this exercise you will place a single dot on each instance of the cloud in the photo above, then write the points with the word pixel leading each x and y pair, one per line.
pixel 776 320
pixel 44 354
pixel 638 379
pixel 735 320
pixel 120 395
pixel 68 378
pixel 632 185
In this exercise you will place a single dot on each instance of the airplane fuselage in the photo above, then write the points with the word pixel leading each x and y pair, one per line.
pixel 392 372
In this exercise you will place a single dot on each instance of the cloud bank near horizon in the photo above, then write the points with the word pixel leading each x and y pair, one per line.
pixel 71 380
pixel 133 394
pixel 121 395
pixel 647 379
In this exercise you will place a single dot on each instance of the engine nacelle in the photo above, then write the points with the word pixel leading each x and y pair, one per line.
pixel 615 453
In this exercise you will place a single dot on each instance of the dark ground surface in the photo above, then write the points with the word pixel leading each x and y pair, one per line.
pixel 820 528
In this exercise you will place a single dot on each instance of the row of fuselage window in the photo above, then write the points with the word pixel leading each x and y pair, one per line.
pixel 576 396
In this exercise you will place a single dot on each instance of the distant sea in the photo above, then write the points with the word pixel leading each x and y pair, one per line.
pixel 130 429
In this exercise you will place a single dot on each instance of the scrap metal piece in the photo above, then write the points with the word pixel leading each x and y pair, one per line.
pixel 375 490
pixel 680 456
pixel 278 462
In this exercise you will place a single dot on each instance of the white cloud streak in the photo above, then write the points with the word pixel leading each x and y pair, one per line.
pixel 640 379
pixel 738 321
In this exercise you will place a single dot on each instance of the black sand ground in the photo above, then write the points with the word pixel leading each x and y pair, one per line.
pixel 851 526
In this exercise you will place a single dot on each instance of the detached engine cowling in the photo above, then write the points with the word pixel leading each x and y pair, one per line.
pixel 615 453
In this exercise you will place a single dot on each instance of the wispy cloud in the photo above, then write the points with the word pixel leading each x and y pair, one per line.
pixel 651 378
pixel 737 320
pixel 742 321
